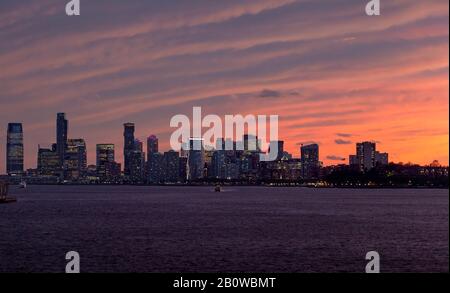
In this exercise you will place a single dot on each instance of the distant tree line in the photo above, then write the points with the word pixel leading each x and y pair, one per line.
pixel 392 175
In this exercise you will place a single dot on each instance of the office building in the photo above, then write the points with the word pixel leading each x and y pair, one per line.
pixel 367 157
pixel 195 159
pixel 137 163
pixel 14 149
pixel 183 169
pixel 365 153
pixel 280 148
pixel 129 147
pixel 310 161
pixel 48 161
pixel 105 161
pixel 171 167
pixel 156 168
pixel 218 165
pixel 62 126
pixel 152 146
pixel 251 143
pixel 75 162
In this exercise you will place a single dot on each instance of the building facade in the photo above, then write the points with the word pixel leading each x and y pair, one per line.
pixel 136 163
pixel 62 126
pixel 128 148
pixel 48 161
pixel 14 149
pixel 75 161
pixel 367 157
pixel 171 167
pixel 196 159
pixel 156 169
pixel 310 161
pixel 152 146
pixel 105 162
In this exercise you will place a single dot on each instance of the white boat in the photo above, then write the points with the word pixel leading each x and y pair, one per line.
pixel 23 184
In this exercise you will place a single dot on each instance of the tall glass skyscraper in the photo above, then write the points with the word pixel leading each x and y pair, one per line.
pixel 14 149
pixel 152 146
pixel 107 168
pixel 129 146
pixel 48 161
pixel 279 144
pixel 195 159
pixel 105 154
pixel 310 161
pixel 61 136
pixel 75 161
pixel 137 163
pixel 171 167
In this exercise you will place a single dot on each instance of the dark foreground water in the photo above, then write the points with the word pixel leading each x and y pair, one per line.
pixel 244 229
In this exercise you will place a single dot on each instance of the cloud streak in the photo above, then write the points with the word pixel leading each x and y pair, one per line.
pixel 323 66
pixel 342 141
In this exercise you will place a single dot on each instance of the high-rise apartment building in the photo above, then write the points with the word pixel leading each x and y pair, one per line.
pixel 62 126
pixel 14 149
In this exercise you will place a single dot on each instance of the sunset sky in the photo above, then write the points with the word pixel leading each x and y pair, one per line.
pixel 334 75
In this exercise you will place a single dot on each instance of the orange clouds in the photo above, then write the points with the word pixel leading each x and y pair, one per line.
pixel 328 68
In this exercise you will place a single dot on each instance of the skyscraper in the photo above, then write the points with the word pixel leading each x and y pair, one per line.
pixel 249 163
pixel 184 152
pixel 152 146
pixel 105 153
pixel 105 159
pixel 310 161
pixel 137 163
pixel 48 161
pixel 220 144
pixel 367 157
pixel 156 168
pixel 128 147
pixel 14 149
pixel 183 169
pixel 219 165
pixel 62 126
pixel 152 149
pixel 280 148
pixel 171 167
pixel 365 153
pixel 195 159
pixel 251 143
pixel 75 162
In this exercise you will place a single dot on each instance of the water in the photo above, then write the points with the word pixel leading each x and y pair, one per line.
pixel 244 229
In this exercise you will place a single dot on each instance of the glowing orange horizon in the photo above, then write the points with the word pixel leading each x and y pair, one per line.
pixel 325 72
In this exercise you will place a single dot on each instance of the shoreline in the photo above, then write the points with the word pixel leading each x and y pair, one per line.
pixel 245 185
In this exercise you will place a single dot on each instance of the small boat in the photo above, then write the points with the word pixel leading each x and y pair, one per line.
pixel 218 188
pixel 23 184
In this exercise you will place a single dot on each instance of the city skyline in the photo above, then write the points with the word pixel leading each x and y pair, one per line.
pixel 130 143
pixel 333 75
pixel 229 158
pixel 232 161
